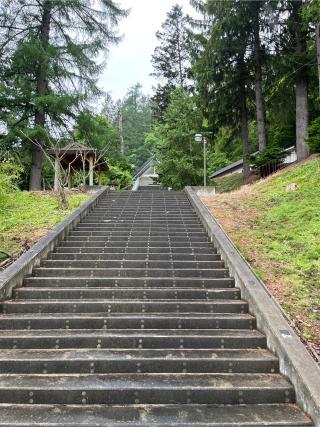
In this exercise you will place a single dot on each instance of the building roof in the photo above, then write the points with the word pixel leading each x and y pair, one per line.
pixel 73 147
pixel 143 168
pixel 228 168
pixel 239 163
pixel 75 153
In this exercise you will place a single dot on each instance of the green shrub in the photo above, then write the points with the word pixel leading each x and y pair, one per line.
pixel 121 177
pixel 314 136
pixel 9 177
pixel 270 154
pixel 268 161
pixel 229 183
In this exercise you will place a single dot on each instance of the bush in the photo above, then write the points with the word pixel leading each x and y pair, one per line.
pixel 229 183
pixel 314 136
pixel 9 177
pixel 268 161
pixel 121 177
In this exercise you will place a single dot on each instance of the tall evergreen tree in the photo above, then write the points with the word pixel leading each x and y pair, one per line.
pixel 222 69
pixel 302 111
pixel 54 67
pixel 180 157
pixel 171 58
pixel 135 123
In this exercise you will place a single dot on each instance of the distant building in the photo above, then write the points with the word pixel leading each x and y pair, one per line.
pixel 146 175
pixel 237 167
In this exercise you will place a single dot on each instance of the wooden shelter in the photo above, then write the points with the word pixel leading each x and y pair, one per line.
pixel 77 157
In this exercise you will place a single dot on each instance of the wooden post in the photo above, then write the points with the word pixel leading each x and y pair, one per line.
pixel 91 171
pixel 57 174
pixel 100 177
pixel 70 180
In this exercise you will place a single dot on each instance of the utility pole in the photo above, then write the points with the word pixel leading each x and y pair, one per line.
pixel 121 130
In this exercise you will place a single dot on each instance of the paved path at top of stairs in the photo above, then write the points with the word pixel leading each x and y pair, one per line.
pixel 134 321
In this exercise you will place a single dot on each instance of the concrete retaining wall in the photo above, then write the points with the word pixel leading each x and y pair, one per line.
pixel 295 362
pixel 13 276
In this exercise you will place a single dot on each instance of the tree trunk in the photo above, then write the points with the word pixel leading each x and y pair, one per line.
pixel 318 51
pixel 258 83
pixel 244 120
pixel 179 57
pixel 41 90
pixel 301 84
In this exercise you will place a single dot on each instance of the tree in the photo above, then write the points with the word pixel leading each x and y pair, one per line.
pixel 302 112
pixel 171 58
pixel 311 14
pixel 135 123
pixel 222 70
pixel 180 157
pixel 53 68
pixel 257 49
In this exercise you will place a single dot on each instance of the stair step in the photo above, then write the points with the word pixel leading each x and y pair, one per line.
pixel 130 272
pixel 133 233
pixel 171 415
pixel 145 388
pixel 136 361
pixel 122 227
pixel 119 282
pixel 185 321
pixel 132 264
pixel 151 240
pixel 132 338
pixel 174 246
pixel 127 293
pixel 136 250
pixel 123 306
pixel 99 256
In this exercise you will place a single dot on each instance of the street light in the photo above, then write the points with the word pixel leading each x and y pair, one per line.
pixel 200 138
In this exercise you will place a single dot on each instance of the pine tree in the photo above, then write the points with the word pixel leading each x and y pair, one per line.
pixel 222 69
pixel 135 124
pixel 180 157
pixel 171 58
pixel 302 111
pixel 53 68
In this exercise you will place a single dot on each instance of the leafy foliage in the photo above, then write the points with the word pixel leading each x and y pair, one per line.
pixel 136 124
pixel 9 177
pixel 180 157
pixel 271 154
pixel 171 59
pixel 314 136
pixel 228 183
pixel 49 67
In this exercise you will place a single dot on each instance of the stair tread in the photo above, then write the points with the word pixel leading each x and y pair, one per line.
pixel 185 315
pixel 125 301
pixel 81 382
pixel 132 333
pixel 63 355
pixel 153 415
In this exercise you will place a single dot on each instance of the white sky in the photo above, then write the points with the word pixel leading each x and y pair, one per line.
pixel 129 62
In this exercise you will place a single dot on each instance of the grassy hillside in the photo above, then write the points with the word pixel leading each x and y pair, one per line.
pixel 26 217
pixel 277 230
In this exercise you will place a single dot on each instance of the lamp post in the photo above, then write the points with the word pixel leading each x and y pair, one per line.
pixel 200 138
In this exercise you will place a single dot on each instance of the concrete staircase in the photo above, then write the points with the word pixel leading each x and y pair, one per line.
pixel 135 321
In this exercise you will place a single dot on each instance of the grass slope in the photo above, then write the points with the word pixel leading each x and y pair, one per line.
pixel 277 230
pixel 25 217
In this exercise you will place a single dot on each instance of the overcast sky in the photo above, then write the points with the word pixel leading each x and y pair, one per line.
pixel 129 62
